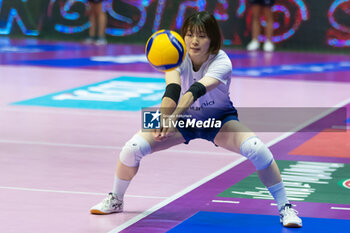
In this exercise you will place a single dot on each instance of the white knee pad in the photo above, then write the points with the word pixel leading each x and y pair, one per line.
pixel 257 152
pixel 133 151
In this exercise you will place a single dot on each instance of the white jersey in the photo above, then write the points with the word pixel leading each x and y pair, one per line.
pixel 216 103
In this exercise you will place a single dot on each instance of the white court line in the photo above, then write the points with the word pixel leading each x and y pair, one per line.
pixel 72 192
pixel 110 147
pixel 59 144
pixel 176 196
pixel 306 123
pixel 341 127
pixel 274 204
pixel 73 111
pixel 339 208
pixel 222 201
pixel 183 192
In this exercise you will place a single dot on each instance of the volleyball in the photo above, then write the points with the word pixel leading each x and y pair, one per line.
pixel 165 50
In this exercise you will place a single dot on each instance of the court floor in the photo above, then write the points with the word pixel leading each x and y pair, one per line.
pixel 66 110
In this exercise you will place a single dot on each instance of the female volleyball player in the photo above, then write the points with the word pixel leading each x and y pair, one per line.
pixel 202 80
pixel 98 21
pixel 260 7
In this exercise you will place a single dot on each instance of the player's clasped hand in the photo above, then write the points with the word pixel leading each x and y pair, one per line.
pixel 166 130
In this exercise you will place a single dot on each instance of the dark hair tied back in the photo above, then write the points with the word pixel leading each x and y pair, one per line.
pixel 204 21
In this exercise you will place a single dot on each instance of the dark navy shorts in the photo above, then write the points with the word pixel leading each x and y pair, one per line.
pixel 262 2
pixel 205 133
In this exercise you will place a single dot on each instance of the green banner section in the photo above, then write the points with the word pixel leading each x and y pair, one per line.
pixel 304 181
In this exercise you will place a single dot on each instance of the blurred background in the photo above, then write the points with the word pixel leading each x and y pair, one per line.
pixel 301 25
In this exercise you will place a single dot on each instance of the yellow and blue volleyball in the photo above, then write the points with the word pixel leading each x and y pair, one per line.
pixel 165 50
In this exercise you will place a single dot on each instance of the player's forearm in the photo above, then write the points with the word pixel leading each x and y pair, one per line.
pixel 170 98
pixel 167 106
pixel 195 91
pixel 184 103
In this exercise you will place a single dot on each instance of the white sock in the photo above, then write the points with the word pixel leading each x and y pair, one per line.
pixel 279 194
pixel 120 187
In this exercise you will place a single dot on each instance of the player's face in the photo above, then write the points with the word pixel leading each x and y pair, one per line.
pixel 197 44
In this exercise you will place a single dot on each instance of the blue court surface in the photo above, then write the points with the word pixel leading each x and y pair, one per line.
pixel 210 222
pixel 38 48
pixel 72 62
pixel 88 61
pixel 112 94
pixel 290 69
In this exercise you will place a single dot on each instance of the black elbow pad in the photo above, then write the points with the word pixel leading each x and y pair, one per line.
pixel 197 89
pixel 172 91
